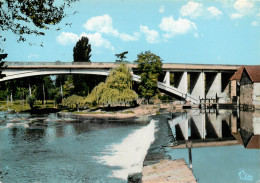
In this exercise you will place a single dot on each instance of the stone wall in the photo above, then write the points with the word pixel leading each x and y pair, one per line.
pixel 256 95
pixel 246 92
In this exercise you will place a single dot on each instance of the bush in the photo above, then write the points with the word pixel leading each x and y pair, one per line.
pixel 58 98
pixel 31 100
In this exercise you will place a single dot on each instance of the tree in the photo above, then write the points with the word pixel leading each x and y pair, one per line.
pixel 42 87
pixel 74 101
pixel 83 83
pixel 81 51
pixel 121 56
pixel 31 100
pixel 116 89
pixel 18 16
pixel 149 68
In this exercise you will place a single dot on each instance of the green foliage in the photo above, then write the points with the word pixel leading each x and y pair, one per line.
pixel 149 67
pixel 116 89
pixel 58 98
pixel 53 92
pixel 68 87
pixel 42 82
pixel 121 56
pixel 74 101
pixel 60 80
pixel 81 51
pixel 27 17
pixel 31 100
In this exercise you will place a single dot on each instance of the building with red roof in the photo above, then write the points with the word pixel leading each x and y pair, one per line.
pixel 245 84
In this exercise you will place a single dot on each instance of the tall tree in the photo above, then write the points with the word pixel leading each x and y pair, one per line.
pixel 82 50
pixel 121 56
pixel 30 17
pixel 83 83
pixel 149 68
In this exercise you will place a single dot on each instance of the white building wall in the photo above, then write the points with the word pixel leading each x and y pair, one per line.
pixel 256 95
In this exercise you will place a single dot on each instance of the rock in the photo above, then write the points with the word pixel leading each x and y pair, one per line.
pixel 135 178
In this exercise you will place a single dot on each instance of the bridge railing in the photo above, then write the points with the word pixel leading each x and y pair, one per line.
pixel 62 63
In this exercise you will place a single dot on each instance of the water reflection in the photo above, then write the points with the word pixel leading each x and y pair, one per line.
pixel 217 125
pixel 202 125
pixel 246 128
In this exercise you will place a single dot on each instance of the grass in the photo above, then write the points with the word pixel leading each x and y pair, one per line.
pixel 17 107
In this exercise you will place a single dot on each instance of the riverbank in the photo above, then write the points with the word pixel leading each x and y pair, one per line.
pixel 140 111
pixel 174 171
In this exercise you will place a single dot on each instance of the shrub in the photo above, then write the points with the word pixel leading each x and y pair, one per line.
pixel 31 100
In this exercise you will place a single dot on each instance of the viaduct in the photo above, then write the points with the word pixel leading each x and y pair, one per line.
pixel 188 82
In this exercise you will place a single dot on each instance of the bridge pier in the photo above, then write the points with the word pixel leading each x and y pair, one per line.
pixel 213 85
pixel 166 79
pixel 181 81
pixel 197 84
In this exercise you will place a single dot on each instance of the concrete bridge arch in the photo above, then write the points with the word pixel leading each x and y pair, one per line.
pixel 198 75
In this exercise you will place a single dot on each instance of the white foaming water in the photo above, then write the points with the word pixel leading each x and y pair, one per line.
pixel 130 153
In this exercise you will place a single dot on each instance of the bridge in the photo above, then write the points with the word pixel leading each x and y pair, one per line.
pixel 189 82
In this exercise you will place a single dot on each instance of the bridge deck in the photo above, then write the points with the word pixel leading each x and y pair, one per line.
pixel 108 65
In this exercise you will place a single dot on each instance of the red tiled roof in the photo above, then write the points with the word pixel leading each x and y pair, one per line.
pixel 238 74
pixel 253 72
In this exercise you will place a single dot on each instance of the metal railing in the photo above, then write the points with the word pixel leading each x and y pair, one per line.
pixel 62 63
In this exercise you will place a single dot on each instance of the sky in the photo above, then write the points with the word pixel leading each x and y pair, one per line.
pixel 179 31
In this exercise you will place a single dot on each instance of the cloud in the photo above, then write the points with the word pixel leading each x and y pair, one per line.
pixel 236 16
pixel 243 8
pixel 161 10
pixel 104 24
pixel 174 27
pixel 151 36
pixel 101 24
pixel 214 11
pixel 254 23
pixel 66 38
pixel 192 10
pixel 97 40
pixel 127 37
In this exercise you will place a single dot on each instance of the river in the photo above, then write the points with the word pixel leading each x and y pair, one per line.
pixel 225 164
pixel 66 148
pixel 58 148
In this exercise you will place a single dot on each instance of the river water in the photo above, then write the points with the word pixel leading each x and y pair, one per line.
pixel 63 148
pixel 54 148
pixel 225 164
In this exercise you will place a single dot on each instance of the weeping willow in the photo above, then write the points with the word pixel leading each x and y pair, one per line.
pixel 116 89
pixel 74 101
